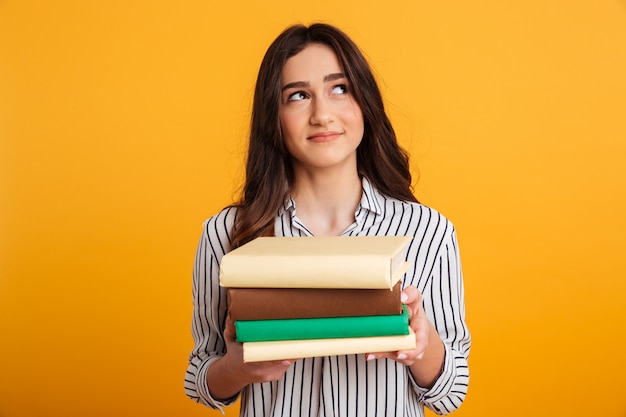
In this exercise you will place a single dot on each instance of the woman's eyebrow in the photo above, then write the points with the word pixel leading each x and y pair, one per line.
pixel 296 84
pixel 301 84
pixel 333 77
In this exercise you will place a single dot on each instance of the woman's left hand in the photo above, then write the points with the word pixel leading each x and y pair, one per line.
pixel 419 324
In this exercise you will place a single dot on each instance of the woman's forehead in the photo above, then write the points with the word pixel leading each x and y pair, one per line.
pixel 313 63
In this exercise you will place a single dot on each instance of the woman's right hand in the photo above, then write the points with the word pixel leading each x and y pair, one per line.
pixel 227 376
pixel 251 371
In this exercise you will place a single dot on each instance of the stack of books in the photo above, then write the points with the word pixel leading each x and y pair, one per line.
pixel 293 298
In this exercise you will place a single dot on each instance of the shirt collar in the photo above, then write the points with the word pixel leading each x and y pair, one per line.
pixel 371 200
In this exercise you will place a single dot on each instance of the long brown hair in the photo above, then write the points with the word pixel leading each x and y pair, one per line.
pixel 269 170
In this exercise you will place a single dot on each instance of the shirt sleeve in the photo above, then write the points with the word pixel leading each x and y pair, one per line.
pixel 209 308
pixel 444 305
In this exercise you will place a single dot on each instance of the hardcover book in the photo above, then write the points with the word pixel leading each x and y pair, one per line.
pixel 322 328
pixel 293 303
pixel 316 262
pixel 298 349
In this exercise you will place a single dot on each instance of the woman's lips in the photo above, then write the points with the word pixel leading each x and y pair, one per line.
pixel 324 136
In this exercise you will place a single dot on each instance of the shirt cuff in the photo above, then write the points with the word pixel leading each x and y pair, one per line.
pixel 442 384
pixel 203 388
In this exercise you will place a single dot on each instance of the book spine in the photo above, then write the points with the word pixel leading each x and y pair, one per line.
pixel 298 349
pixel 322 328
pixel 293 303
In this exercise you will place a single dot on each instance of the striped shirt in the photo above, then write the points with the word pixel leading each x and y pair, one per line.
pixel 346 385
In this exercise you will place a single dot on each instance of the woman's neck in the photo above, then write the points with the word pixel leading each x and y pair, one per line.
pixel 326 204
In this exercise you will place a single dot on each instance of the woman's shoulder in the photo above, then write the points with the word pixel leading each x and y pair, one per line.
pixel 218 227
pixel 432 212
pixel 225 215
pixel 421 217
pixel 394 209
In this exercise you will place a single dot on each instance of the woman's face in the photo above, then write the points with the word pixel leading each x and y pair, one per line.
pixel 321 123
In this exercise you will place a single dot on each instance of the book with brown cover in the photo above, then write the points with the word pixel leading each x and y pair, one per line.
pixel 288 303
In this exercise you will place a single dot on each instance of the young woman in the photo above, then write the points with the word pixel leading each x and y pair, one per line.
pixel 323 159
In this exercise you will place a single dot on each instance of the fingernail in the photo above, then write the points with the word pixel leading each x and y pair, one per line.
pixel 401 357
pixel 285 363
pixel 420 356
pixel 403 297
pixel 370 357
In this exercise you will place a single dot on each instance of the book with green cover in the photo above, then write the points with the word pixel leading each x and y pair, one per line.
pixel 323 328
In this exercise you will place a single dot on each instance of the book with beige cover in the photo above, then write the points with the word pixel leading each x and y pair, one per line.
pixel 316 262
pixel 298 349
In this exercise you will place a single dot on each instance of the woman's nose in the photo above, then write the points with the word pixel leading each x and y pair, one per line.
pixel 321 113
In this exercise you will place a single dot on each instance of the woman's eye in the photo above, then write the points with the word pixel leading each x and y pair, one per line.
pixel 298 96
pixel 340 89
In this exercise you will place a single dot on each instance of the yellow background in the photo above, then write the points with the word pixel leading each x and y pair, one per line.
pixel 122 126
